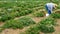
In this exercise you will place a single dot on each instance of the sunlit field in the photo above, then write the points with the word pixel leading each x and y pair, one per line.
pixel 28 17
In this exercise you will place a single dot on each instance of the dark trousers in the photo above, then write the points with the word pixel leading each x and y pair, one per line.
pixel 49 11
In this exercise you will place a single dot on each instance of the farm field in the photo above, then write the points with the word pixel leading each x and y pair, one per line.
pixel 28 17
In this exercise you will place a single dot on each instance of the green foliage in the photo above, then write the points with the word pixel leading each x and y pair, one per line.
pixel 49 21
pixel 32 30
pixel 22 8
pixel 6 17
pixel 13 24
pixel 55 15
pixel 19 23
pixel 26 21
pixel 22 13
pixel 39 14
pixel 47 29
pixel 14 10
pixel 11 15
pixel 47 25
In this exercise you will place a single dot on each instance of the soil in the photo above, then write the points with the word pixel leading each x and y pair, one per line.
pixel 57 28
pixel 1 23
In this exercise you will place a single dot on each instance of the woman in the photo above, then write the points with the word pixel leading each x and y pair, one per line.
pixel 49 8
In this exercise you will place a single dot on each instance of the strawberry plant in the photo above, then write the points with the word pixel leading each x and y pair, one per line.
pixel 19 23
pixel 3 18
pixel 7 17
pixel 39 14
pixel 47 25
pixel 55 15
pixel 26 21
pixel 12 24
pixel 10 15
pixel 32 30
pixel 47 29
pixel 25 12
pixel 49 21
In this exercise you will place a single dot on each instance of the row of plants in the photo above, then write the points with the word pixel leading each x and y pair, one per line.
pixel 46 26
pixel 16 9
pixel 39 14
pixel 8 11
pixel 7 16
pixel 18 24
pixel 19 4
pixel 56 14
pixel 24 4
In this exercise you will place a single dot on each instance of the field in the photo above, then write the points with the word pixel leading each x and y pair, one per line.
pixel 28 17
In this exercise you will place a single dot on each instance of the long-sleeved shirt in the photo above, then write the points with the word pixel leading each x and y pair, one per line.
pixel 50 6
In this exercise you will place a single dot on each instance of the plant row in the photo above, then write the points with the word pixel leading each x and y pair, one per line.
pixel 46 26
pixel 18 24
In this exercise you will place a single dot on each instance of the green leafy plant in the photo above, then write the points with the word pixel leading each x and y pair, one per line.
pixel 19 23
pixel 13 24
pixel 47 25
pixel 32 30
pixel 39 14
pixel 49 20
pixel 55 15
pixel 26 21
pixel 22 13
pixel 3 18
pixel 6 17
pixel 47 29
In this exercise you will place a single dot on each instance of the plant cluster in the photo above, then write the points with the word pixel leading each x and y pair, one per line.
pixel 19 23
pixel 45 26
